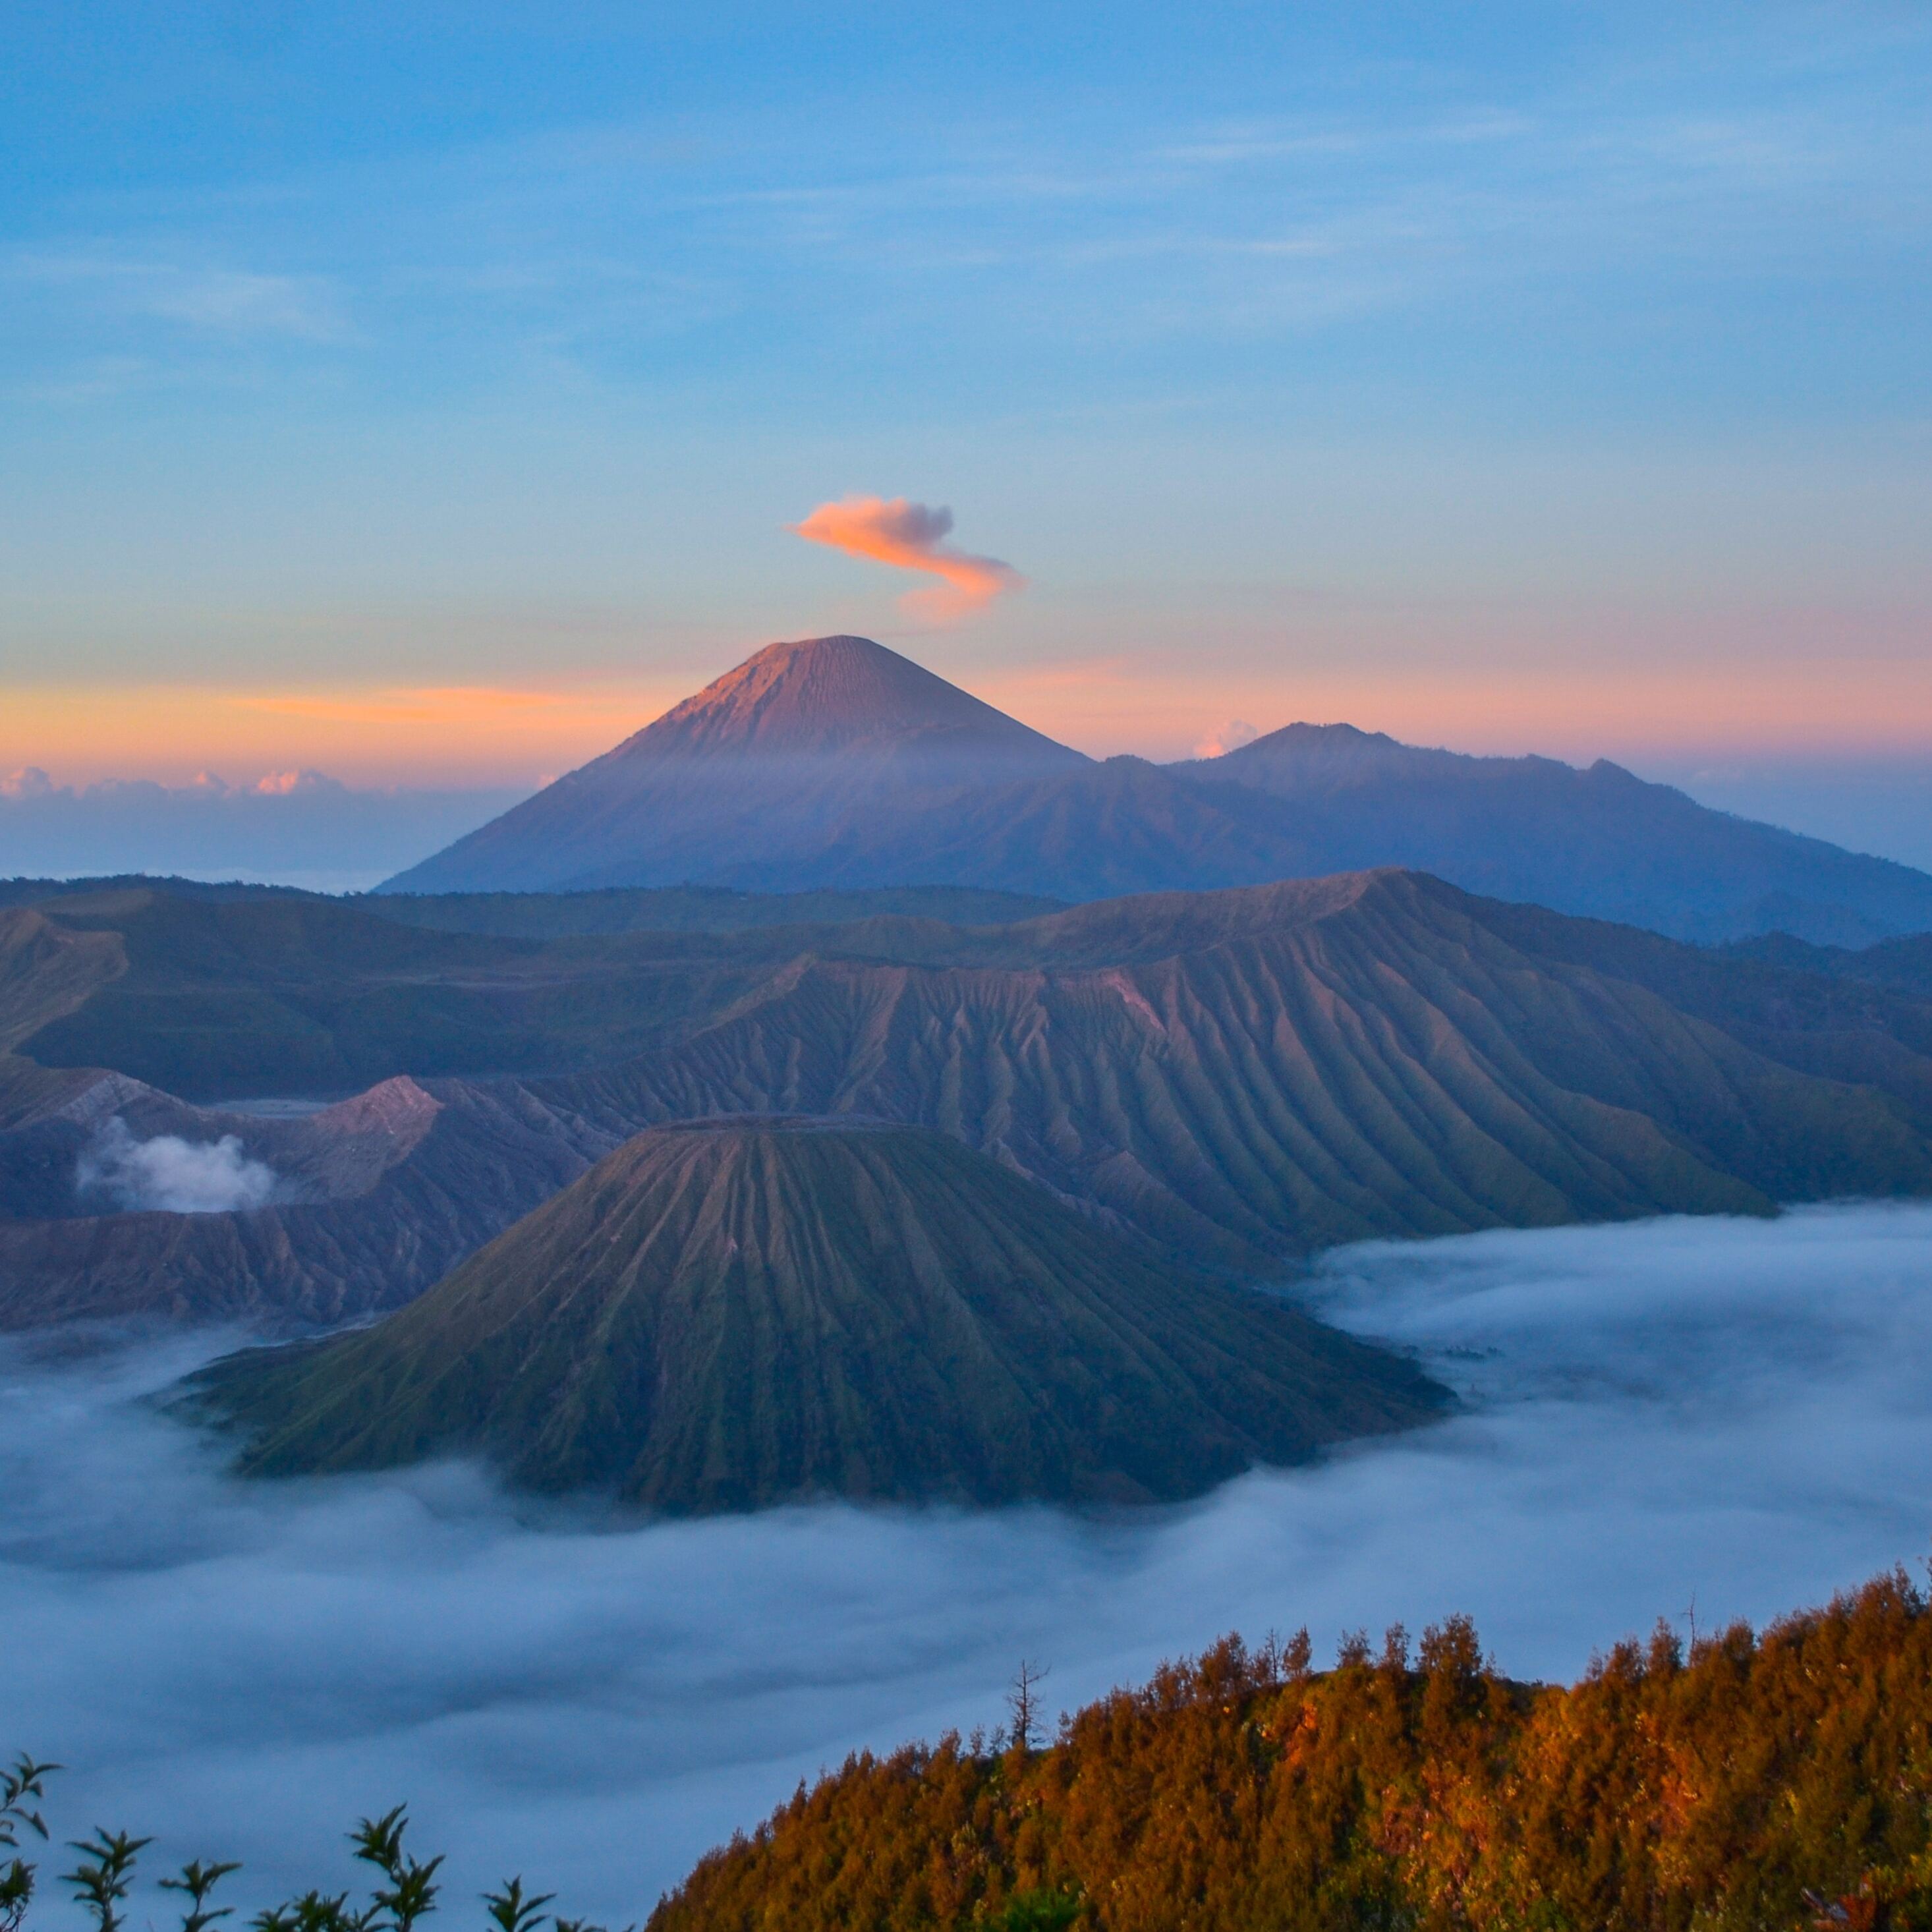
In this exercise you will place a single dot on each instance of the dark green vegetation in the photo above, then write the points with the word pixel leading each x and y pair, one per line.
pixel 728 1315
pixel 567 915
pixel 228 998
pixel 1244 1076
pixel 1776 1781
pixel 1902 965
pixel 831 763
pixel 403 1893
pixel 696 909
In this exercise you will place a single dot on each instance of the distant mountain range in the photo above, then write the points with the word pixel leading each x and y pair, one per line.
pixel 728 1315
pixel 1240 1077
pixel 834 764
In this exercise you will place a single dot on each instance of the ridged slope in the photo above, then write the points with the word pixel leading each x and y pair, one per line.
pixel 378 1196
pixel 723 1315
pixel 1252 1074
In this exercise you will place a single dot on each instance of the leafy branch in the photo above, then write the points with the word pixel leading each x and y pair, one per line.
pixel 405 1893
pixel 21 1795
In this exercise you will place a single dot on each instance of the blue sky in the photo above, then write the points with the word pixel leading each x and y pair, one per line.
pixel 1515 377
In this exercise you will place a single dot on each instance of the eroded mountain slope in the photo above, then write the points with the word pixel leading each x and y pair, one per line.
pixel 727 1314
pixel 367 1203
pixel 1259 1073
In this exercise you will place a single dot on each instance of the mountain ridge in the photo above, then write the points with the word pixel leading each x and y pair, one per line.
pixel 834 764
pixel 1243 1077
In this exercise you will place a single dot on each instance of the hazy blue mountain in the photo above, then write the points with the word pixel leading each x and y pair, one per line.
pixel 832 764
pixel 1600 841
pixel 746 783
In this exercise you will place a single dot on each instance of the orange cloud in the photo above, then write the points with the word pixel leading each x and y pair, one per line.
pixel 911 536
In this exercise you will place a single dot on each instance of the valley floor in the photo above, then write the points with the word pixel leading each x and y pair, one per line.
pixel 1712 1417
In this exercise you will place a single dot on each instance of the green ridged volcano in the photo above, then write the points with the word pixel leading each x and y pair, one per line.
pixel 727 1314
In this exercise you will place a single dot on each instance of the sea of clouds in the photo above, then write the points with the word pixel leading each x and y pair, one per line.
pixel 1716 1417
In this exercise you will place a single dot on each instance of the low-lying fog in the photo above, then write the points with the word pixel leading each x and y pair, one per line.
pixel 1735 1413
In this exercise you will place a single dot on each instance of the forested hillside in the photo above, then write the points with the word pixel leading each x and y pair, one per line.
pixel 1779 1780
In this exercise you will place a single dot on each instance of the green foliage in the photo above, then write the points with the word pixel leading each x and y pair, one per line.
pixel 406 1892
pixel 1039 1911
pixel 21 1796
pixel 410 1892
pixel 197 1880
pixel 101 1879
pixel 511 1911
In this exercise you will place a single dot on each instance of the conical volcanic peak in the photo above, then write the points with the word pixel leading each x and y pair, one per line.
pixel 727 1314
pixel 821 695
pixel 803 749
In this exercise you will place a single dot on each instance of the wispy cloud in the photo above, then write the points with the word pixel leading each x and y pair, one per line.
pixel 214 300
pixel 912 536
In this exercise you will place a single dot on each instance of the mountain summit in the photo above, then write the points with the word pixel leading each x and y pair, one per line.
pixel 728 1314
pixel 834 764
pixel 753 778
pixel 842 694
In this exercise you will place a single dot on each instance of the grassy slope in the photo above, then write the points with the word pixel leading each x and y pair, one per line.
pixel 722 1317
pixel 231 998
pixel 48 971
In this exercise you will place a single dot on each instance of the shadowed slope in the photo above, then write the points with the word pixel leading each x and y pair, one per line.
pixel 47 971
pixel 1246 1075
pixel 723 1315
pixel 220 1000
pixel 1599 841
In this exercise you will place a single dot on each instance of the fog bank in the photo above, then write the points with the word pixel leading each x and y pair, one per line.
pixel 1736 1414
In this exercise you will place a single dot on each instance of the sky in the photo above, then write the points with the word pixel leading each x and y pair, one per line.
pixel 426 398
pixel 1697 1420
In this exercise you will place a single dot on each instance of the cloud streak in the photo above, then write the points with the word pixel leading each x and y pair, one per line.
pixel 1735 1409
pixel 207 298
pixel 912 536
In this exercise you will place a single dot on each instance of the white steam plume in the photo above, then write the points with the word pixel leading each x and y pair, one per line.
pixel 173 1175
